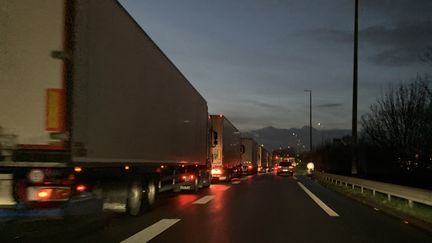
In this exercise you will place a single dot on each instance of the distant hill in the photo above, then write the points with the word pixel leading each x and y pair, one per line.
pixel 298 138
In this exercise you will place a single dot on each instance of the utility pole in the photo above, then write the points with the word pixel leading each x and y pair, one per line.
pixel 310 118
pixel 355 94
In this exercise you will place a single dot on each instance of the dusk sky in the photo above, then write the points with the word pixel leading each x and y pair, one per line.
pixel 253 59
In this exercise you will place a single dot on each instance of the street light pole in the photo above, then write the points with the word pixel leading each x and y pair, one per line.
pixel 310 118
pixel 355 93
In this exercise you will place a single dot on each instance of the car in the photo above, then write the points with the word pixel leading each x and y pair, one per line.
pixel 285 168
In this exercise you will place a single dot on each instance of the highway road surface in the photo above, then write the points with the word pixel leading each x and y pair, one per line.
pixel 260 208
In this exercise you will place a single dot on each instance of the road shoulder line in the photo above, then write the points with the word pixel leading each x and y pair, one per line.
pixel 318 201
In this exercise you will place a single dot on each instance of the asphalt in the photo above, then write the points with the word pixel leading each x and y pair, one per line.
pixel 261 208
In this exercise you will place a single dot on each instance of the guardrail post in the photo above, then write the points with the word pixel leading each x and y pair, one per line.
pixel 361 188
pixel 410 204
pixel 389 197
pixel 352 186
pixel 373 192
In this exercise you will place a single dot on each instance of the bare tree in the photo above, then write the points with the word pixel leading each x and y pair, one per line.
pixel 401 124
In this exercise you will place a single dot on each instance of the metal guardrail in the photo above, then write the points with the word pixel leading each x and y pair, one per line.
pixel 411 194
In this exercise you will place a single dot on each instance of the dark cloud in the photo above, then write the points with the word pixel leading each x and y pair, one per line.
pixel 403 44
pixel 398 10
pixel 330 105
pixel 266 105
pixel 332 35
pixel 389 45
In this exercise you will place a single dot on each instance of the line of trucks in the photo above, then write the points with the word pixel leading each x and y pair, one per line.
pixel 92 109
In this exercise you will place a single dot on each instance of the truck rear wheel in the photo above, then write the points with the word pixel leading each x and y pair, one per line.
pixel 134 200
pixel 150 195
pixel 195 186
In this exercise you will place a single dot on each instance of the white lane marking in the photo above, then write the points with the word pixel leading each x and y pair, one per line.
pixel 294 177
pixel 204 200
pixel 235 182
pixel 320 203
pixel 152 231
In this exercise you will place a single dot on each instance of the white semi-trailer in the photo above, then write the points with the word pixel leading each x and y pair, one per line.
pixel 263 163
pixel 225 150
pixel 90 104
pixel 249 156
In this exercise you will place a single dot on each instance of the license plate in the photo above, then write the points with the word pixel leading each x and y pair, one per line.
pixel 185 187
pixel 284 170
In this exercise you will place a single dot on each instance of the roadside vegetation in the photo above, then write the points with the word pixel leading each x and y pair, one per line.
pixel 395 143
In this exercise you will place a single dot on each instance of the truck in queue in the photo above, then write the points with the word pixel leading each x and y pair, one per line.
pixel 225 149
pixel 90 106
pixel 249 156
pixel 264 164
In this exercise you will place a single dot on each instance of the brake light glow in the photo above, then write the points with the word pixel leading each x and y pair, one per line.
pixel 192 177
pixel 216 171
pixel 51 193
pixel 81 188
pixel 44 194
pixel 250 167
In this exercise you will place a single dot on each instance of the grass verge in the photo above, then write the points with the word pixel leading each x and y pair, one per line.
pixel 419 215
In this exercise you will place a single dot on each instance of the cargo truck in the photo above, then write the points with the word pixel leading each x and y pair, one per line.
pixel 249 156
pixel 90 106
pixel 263 159
pixel 225 150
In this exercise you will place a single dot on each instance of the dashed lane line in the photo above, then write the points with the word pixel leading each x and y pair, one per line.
pixel 152 231
pixel 204 200
pixel 320 203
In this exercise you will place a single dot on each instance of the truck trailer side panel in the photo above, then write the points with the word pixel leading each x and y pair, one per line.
pixel 130 103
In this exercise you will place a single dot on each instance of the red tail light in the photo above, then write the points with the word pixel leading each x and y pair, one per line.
pixel 80 188
pixel 192 177
pixel 54 193
pixel 250 167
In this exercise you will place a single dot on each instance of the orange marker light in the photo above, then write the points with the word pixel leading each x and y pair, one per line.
pixel 44 194
pixel 77 169
pixel 127 167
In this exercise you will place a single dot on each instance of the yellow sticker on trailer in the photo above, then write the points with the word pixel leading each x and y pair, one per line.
pixel 55 110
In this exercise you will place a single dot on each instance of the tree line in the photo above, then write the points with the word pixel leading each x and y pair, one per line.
pixel 395 141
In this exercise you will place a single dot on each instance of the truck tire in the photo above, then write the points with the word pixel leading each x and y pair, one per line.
pixel 135 196
pixel 195 187
pixel 207 185
pixel 150 194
